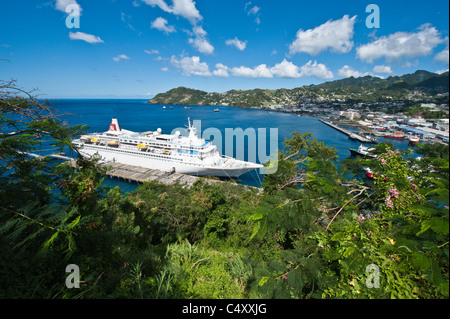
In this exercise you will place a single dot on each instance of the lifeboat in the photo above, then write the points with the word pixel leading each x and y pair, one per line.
pixel 113 143
pixel 85 139
pixel 142 147
pixel 95 140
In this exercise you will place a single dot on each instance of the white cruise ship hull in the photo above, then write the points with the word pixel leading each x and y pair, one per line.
pixel 167 163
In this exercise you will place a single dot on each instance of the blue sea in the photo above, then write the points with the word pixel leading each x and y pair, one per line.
pixel 138 116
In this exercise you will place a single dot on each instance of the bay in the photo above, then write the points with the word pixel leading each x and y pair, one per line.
pixel 139 116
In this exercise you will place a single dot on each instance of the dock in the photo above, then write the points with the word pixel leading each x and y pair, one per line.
pixel 140 174
pixel 360 138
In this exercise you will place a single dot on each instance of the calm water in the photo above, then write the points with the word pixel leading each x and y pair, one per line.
pixel 137 115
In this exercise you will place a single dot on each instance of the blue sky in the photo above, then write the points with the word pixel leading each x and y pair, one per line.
pixel 138 48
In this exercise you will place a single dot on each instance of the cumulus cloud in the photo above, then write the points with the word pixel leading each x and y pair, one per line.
pixel 120 57
pixel 334 35
pixel 443 56
pixel 260 71
pixel 401 45
pixel 184 8
pixel 221 70
pixel 200 42
pixel 191 66
pixel 61 5
pixel 315 69
pixel 240 45
pixel 347 71
pixel 161 25
pixel 85 37
pixel 383 69
pixel 286 69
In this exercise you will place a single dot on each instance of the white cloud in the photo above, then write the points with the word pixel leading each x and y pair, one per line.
pixel 191 65
pixel 153 51
pixel 286 69
pixel 260 71
pixel 184 8
pixel 383 69
pixel 62 4
pixel 120 57
pixel 401 45
pixel 317 70
pixel 165 69
pixel 85 37
pixel 240 45
pixel 443 56
pixel 161 25
pixel 200 42
pixel 221 70
pixel 347 71
pixel 335 35
pixel 253 11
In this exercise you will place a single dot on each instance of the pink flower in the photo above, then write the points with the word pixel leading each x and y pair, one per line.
pixel 389 202
pixel 394 193
pixel 414 186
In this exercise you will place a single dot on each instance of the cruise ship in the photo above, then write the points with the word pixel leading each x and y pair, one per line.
pixel 167 152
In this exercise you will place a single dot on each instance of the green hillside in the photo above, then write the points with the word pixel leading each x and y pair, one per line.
pixel 420 84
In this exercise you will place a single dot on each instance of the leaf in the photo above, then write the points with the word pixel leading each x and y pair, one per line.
pixel 338 236
pixel 426 224
pixel 255 229
pixel 74 222
pixel 263 281
pixel 50 241
pixel 257 216
pixel 439 225
pixel 444 288
pixel 348 252
pixel 420 260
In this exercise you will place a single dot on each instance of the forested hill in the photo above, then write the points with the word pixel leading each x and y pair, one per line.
pixel 368 88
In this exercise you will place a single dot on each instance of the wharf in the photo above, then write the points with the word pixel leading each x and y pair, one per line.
pixel 140 174
pixel 360 138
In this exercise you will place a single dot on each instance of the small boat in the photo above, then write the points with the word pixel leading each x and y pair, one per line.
pixel 414 139
pixel 188 107
pixel 216 110
pixel 396 135
pixel 363 152
pixel 164 107
pixel 353 137
pixel 368 172
pixel 372 139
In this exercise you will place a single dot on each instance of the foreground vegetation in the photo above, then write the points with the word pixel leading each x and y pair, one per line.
pixel 315 231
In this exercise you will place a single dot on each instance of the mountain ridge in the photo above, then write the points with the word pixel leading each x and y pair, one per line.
pixel 367 88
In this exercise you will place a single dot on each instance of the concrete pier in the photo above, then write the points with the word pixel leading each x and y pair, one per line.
pixel 141 174
pixel 360 138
